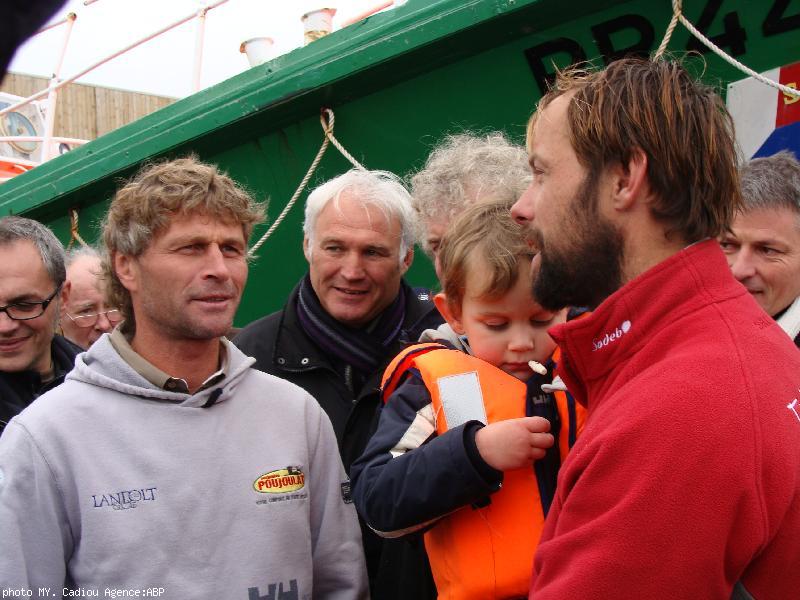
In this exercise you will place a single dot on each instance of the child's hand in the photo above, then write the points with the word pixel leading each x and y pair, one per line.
pixel 515 443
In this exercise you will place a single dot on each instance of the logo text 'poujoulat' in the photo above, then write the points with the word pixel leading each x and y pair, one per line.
pixel 280 481
pixel 611 337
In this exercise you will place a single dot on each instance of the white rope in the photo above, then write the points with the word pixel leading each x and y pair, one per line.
pixel 329 135
pixel 327 128
pixel 678 16
pixel 73 230
pixel 673 22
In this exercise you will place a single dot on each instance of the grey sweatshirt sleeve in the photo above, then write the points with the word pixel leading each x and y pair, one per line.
pixel 339 568
pixel 35 533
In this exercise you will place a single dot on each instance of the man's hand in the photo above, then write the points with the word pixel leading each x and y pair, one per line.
pixel 515 443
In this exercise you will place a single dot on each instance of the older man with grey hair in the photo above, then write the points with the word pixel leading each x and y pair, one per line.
pixel 33 359
pixel 85 314
pixel 342 324
pixel 463 169
pixel 763 246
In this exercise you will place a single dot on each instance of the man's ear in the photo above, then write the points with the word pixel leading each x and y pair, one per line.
pixel 66 288
pixel 125 268
pixel 306 249
pixel 630 182
pixel 454 320
pixel 407 260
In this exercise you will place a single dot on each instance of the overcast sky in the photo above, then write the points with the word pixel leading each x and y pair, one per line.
pixel 163 66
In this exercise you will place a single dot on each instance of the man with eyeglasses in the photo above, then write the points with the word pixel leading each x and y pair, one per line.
pixel 85 316
pixel 33 359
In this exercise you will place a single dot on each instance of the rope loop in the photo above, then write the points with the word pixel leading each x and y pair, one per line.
pixel 74 234
pixel 677 15
pixel 327 120
pixel 327 127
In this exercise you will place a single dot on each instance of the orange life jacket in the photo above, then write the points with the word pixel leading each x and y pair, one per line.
pixel 482 552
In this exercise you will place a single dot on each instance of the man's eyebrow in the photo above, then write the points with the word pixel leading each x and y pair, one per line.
pixel 378 247
pixel 772 241
pixel 189 238
pixel 26 297
pixel 85 305
pixel 233 241
pixel 194 238
pixel 535 158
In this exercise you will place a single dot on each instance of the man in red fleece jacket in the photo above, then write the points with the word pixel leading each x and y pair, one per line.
pixel 685 481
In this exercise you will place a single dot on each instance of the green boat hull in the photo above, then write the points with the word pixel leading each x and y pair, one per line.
pixel 397 82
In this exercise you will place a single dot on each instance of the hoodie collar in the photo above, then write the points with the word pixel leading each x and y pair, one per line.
pixel 155 375
pixel 105 367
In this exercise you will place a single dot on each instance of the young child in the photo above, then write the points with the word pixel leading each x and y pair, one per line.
pixel 461 449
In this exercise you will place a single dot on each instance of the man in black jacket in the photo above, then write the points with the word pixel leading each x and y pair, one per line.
pixel 345 320
pixel 33 359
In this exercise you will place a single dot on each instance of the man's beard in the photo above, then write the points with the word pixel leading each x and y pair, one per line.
pixel 588 269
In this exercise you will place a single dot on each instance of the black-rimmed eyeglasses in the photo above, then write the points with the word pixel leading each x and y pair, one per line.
pixel 90 320
pixel 25 311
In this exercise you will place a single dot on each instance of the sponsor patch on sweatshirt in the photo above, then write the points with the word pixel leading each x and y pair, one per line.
pixel 280 481
pixel 281 485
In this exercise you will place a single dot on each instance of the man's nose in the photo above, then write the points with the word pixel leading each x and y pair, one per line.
pixel 7 324
pixel 352 266
pixel 743 265
pixel 103 324
pixel 215 264
pixel 522 211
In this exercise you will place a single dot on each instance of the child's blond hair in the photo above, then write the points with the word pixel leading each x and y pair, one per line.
pixel 484 232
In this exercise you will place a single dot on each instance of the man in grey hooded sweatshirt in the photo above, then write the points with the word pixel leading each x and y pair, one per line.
pixel 165 463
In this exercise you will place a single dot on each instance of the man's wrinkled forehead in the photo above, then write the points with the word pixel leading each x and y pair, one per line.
pixel 181 217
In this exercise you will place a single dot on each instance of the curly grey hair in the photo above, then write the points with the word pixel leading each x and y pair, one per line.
pixel 465 168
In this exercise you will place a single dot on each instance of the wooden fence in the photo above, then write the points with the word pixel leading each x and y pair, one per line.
pixel 87 111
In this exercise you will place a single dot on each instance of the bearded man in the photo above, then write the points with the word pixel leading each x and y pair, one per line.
pixel 685 482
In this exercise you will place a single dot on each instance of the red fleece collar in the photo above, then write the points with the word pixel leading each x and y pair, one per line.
pixel 593 347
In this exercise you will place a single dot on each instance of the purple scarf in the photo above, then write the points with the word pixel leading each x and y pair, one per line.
pixel 364 349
